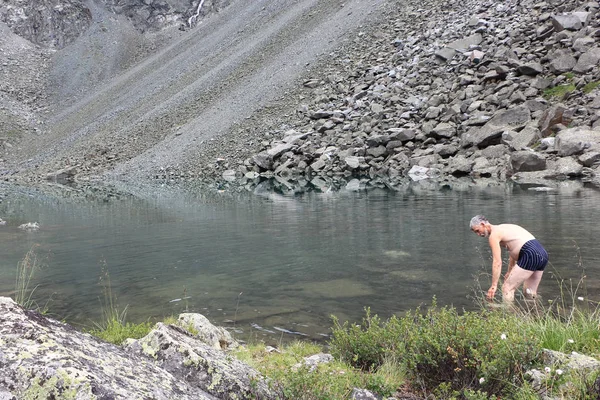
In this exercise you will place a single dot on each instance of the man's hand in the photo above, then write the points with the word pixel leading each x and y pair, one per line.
pixel 491 293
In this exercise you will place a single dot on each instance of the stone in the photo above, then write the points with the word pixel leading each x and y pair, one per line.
pixel 525 161
pixel 465 43
pixel 491 133
pixel 566 21
pixel 531 69
pixel 445 53
pixel 63 176
pixel 48 358
pixel 555 115
pixel 177 352
pixel 576 140
pixel 216 337
pixel 522 139
pixel 587 61
pixel 263 160
pixel 443 130
pixel 590 158
pixel 562 61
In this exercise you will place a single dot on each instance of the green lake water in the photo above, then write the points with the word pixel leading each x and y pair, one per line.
pixel 275 266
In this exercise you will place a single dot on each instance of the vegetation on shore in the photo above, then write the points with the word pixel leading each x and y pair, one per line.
pixel 434 352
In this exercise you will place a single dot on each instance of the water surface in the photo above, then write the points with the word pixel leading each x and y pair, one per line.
pixel 269 263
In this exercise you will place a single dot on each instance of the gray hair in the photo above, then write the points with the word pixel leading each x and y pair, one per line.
pixel 478 219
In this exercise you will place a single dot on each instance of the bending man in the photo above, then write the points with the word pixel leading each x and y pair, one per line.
pixel 527 257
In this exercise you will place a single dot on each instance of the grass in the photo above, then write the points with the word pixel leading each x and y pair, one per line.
pixel 559 91
pixel 114 328
pixel 26 269
pixel 588 88
pixel 291 379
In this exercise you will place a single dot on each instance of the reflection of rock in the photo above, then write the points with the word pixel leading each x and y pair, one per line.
pixel 30 226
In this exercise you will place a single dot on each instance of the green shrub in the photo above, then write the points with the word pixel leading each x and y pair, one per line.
pixel 366 346
pixel 445 351
pixel 290 379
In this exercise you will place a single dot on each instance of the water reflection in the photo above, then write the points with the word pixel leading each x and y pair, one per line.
pixel 279 264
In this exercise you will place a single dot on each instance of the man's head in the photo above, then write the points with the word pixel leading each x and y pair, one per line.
pixel 480 225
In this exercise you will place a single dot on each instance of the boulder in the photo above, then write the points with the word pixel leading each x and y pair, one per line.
pixel 577 140
pixel 216 337
pixel 524 161
pixel 587 61
pixel 44 358
pixel 491 133
pixel 201 366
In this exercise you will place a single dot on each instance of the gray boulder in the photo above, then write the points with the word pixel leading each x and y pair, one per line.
pixel 524 161
pixel 44 358
pixel 491 133
pixel 577 140
pixel 200 365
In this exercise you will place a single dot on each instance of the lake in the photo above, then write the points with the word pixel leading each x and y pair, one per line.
pixel 275 265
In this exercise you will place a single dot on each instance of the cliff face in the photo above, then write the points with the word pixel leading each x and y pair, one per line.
pixel 48 23
pixel 57 23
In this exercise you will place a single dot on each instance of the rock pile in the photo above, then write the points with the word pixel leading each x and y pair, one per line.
pixel 470 88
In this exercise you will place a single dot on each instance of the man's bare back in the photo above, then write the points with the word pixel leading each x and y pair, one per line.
pixel 512 237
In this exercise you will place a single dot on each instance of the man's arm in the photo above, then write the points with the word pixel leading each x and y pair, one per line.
pixel 496 264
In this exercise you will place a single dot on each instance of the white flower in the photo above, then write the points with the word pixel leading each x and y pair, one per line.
pixel 571 341
pixel 580 298
pixel 547 369
pixel 481 380
pixel 503 336
pixel 559 371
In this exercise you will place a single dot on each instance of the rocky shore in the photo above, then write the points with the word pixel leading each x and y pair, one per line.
pixel 421 90
pixel 480 89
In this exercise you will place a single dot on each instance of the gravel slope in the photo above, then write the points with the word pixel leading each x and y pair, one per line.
pixel 162 112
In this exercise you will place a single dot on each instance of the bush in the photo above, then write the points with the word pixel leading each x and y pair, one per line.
pixel 467 355
pixel 366 346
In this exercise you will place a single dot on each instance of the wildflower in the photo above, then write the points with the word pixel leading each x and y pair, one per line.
pixel 503 336
pixel 481 380
pixel 547 369
pixel 580 298
pixel 571 341
pixel 559 372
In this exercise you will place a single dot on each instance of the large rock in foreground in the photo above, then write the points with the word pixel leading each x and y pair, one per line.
pixel 43 358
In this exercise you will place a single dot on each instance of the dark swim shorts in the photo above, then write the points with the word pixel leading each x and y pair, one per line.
pixel 532 256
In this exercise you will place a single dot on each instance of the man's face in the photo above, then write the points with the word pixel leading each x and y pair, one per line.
pixel 481 230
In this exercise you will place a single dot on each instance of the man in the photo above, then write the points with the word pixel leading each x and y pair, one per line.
pixel 527 257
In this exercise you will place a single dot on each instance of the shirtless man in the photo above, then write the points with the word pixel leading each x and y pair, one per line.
pixel 527 257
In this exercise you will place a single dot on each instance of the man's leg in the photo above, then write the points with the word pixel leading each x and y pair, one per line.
pixel 531 284
pixel 517 276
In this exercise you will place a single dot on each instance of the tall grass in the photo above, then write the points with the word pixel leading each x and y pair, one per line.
pixel 26 269
pixel 114 328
